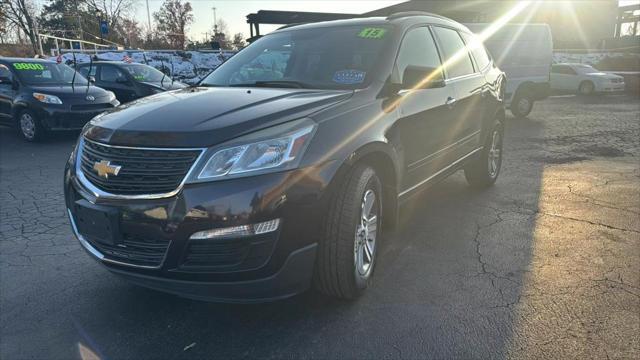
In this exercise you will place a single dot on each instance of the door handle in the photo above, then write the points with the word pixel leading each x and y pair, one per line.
pixel 451 102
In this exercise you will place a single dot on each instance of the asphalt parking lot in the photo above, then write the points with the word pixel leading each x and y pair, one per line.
pixel 546 264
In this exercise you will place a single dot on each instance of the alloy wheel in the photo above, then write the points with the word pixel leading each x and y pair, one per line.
pixel 28 126
pixel 366 234
pixel 524 105
pixel 495 154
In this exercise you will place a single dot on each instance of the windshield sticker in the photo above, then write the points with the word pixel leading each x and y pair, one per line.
pixel 139 77
pixel 372 33
pixel 28 66
pixel 349 77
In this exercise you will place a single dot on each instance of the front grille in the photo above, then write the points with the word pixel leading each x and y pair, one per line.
pixel 134 250
pixel 616 81
pixel 143 171
pixel 228 254
pixel 91 107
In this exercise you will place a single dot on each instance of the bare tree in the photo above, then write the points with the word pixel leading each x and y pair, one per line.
pixel 112 11
pixel 22 15
pixel 131 32
pixel 238 41
pixel 173 19
pixel 221 34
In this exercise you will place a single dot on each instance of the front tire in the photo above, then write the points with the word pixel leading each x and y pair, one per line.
pixel 347 252
pixel 29 127
pixel 586 88
pixel 522 104
pixel 484 169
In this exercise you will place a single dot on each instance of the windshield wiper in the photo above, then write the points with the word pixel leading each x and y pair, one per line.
pixel 276 83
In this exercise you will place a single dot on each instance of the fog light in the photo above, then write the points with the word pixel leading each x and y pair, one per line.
pixel 235 231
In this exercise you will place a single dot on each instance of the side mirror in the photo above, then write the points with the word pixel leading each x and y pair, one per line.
pixel 92 79
pixel 420 77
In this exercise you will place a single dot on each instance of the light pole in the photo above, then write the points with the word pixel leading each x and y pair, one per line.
pixel 148 17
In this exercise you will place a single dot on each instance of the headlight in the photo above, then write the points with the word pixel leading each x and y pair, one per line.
pixel 273 149
pixel 112 96
pixel 48 99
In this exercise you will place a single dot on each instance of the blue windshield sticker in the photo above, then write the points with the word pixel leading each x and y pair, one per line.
pixel 349 76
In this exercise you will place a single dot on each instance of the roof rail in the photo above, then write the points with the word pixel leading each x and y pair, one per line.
pixel 412 13
pixel 290 25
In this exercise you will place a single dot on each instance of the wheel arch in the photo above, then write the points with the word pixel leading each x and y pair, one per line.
pixel 16 109
pixel 382 159
pixel 586 81
pixel 525 86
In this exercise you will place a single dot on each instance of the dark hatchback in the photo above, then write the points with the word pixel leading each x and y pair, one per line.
pixel 39 96
pixel 281 169
pixel 128 81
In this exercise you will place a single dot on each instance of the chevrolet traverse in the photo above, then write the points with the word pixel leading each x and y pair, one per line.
pixel 281 169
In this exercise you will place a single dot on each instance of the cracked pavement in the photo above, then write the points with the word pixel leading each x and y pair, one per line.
pixel 546 264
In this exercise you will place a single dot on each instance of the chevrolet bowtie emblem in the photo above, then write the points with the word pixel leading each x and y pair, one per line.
pixel 104 169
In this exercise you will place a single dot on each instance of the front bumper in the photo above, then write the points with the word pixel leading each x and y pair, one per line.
pixel 611 87
pixel 66 117
pixel 245 269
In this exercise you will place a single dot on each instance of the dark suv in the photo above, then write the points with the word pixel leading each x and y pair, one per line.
pixel 39 96
pixel 128 81
pixel 282 167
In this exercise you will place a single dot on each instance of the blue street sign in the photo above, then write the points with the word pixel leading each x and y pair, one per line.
pixel 104 27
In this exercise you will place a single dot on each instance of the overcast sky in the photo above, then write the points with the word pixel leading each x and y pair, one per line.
pixel 233 12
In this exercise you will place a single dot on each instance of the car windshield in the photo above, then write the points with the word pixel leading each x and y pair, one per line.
pixel 142 72
pixel 45 73
pixel 585 69
pixel 323 58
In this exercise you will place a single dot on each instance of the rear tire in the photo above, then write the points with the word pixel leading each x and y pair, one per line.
pixel 484 169
pixel 29 127
pixel 347 252
pixel 522 104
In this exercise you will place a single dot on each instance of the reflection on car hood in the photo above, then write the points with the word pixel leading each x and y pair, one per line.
pixel 166 85
pixel 71 92
pixel 200 117
pixel 603 75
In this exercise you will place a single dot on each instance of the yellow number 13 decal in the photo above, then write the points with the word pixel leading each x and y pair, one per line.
pixel 372 33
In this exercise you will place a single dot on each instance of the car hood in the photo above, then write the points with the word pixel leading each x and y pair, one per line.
pixel 68 92
pixel 201 117
pixel 603 75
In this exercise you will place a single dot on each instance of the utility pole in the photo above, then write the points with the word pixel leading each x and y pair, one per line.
pixel 215 22
pixel 148 17
pixel 37 31
pixel 80 28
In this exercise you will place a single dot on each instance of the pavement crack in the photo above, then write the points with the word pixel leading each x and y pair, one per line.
pixel 588 222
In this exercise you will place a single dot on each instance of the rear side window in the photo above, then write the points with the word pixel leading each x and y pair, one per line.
pixel 477 49
pixel 455 55
pixel 110 73
pixel 84 71
pixel 562 69
pixel 418 49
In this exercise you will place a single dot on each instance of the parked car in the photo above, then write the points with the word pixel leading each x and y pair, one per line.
pixel 128 81
pixel 525 53
pixel 584 79
pixel 252 189
pixel 39 96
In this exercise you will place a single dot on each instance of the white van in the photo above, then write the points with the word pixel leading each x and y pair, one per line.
pixel 524 52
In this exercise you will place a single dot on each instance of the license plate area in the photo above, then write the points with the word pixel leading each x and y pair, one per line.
pixel 97 223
